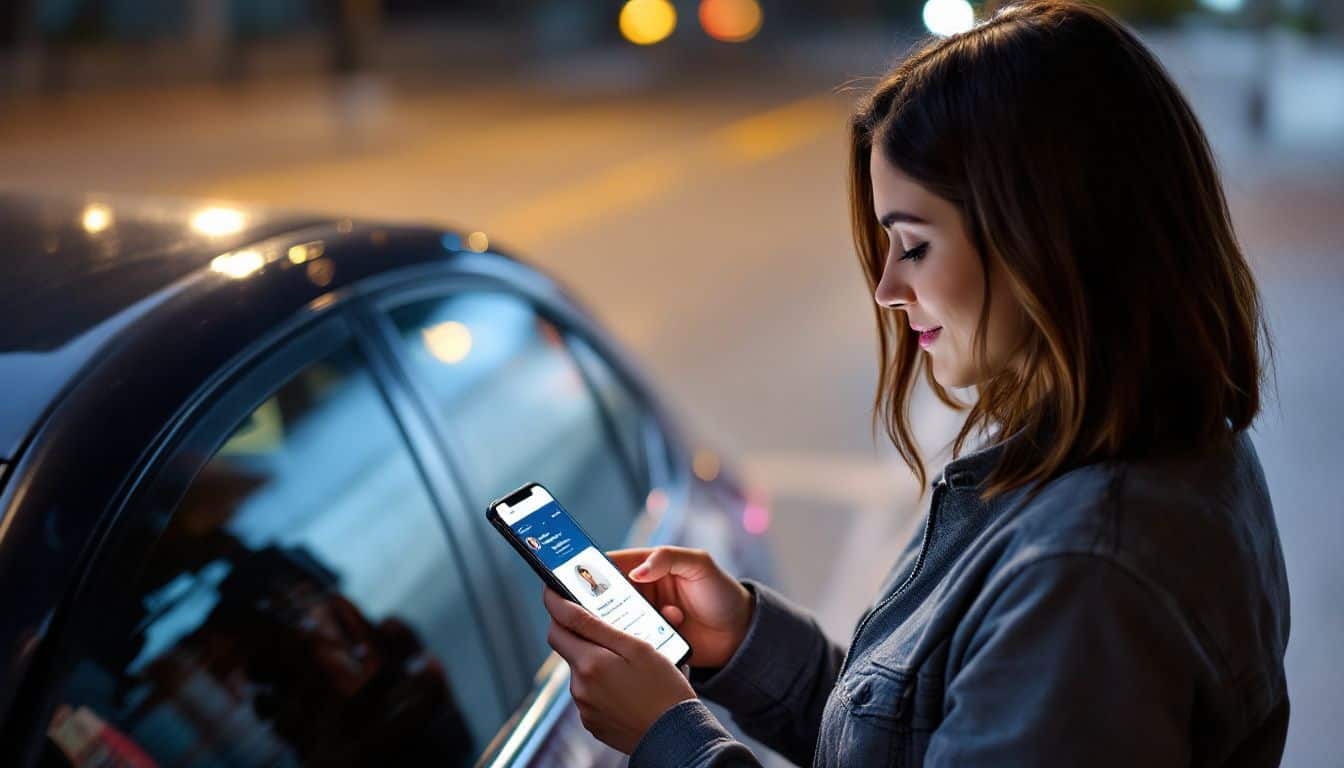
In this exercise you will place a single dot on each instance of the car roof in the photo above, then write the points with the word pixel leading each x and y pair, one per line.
pixel 79 270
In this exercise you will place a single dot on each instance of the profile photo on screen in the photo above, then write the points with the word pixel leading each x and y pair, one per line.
pixel 597 586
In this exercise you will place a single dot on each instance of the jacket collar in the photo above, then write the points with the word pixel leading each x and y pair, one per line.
pixel 969 471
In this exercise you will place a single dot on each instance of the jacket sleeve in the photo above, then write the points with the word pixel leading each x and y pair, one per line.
pixel 775 685
pixel 1076 661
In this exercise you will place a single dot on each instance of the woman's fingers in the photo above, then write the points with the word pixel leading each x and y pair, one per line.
pixel 674 561
pixel 582 655
pixel 674 615
pixel 579 621
pixel 626 559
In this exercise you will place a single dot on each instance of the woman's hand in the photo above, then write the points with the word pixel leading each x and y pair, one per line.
pixel 711 609
pixel 619 682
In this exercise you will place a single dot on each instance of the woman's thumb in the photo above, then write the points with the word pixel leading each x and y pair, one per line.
pixel 648 570
pixel 674 615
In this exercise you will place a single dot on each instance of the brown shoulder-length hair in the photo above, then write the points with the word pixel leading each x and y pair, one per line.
pixel 1082 173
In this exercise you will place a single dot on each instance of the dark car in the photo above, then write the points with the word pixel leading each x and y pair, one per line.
pixel 244 463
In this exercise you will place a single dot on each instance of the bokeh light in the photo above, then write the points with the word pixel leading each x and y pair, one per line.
pixel 217 222
pixel 298 254
pixel 448 342
pixel 238 264
pixel 320 272
pixel 478 242
pixel 97 217
pixel 645 22
pixel 657 502
pixel 706 465
pixel 948 17
pixel 731 21
pixel 755 518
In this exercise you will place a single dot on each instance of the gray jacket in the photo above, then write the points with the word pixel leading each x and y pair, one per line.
pixel 1130 614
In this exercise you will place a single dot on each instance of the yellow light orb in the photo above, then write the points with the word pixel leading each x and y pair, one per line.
pixel 238 264
pixel 645 22
pixel 478 242
pixel 97 217
pixel 731 21
pixel 217 222
pixel 450 342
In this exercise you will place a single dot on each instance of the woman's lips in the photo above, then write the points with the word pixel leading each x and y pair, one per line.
pixel 926 338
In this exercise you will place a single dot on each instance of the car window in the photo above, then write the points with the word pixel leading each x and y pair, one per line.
pixel 636 427
pixel 302 606
pixel 515 403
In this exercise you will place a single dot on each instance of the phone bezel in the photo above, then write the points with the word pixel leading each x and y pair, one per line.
pixel 540 568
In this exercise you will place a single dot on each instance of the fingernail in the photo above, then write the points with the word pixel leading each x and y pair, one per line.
pixel 641 570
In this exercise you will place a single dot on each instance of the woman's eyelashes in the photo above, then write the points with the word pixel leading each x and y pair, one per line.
pixel 916 253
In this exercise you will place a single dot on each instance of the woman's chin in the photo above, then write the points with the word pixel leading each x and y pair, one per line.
pixel 950 379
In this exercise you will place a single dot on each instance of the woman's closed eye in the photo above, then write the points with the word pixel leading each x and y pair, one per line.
pixel 916 253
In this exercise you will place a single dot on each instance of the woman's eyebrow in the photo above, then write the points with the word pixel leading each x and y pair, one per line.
pixel 894 217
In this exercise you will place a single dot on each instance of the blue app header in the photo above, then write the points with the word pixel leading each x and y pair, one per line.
pixel 552 535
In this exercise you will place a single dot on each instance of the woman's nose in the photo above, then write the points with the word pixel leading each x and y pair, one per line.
pixel 893 292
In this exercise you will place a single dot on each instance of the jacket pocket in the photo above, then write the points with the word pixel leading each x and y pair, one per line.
pixel 876 729
pixel 879 694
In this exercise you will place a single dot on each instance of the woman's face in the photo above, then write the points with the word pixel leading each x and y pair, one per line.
pixel 933 274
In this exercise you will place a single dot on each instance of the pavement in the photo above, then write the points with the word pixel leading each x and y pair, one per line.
pixel 697 203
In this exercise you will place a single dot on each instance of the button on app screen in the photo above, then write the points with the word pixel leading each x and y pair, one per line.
pixel 552 535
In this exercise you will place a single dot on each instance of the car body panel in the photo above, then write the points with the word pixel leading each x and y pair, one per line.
pixel 50 255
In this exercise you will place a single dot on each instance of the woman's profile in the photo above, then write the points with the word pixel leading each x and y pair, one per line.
pixel 1098 579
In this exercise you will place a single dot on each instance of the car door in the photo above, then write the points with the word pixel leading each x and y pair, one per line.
pixel 282 589
pixel 519 395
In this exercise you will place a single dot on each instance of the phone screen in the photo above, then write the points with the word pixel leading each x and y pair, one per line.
pixel 540 524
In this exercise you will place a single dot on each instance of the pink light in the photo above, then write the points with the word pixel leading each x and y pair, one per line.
pixel 755 518
pixel 656 502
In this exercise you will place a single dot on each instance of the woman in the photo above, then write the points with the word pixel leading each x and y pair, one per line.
pixel 1038 215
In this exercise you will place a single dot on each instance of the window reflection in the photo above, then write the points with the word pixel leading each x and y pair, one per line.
pixel 521 411
pixel 300 609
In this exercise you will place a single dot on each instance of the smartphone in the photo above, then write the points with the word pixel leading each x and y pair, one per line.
pixel 565 558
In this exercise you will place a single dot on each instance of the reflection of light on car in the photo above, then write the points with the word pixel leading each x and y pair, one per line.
pixel 97 217
pixel 755 518
pixel 217 222
pixel 645 22
pixel 478 242
pixel 298 254
pixel 320 272
pixel 449 342
pixel 706 465
pixel 731 21
pixel 238 264
pixel 1223 6
pixel 948 17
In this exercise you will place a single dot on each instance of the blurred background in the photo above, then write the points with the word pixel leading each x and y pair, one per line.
pixel 680 166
